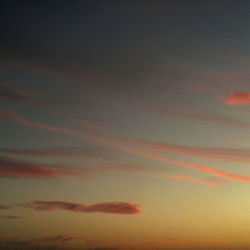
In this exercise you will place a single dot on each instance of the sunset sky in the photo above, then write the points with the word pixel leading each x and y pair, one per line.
pixel 124 124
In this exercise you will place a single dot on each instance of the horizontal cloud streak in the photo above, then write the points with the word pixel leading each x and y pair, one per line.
pixel 71 152
pixel 107 207
pixel 10 116
pixel 10 217
pixel 22 169
pixel 2 207
pixel 177 177
pixel 123 167
pixel 179 240
pixel 193 116
pixel 16 96
pixel 227 154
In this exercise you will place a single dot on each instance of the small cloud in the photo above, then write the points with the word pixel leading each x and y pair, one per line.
pixel 238 99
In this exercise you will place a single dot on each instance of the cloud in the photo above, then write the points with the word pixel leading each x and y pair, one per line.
pixel 181 240
pixel 45 243
pixel 209 181
pixel 10 116
pixel 107 207
pixel 124 167
pixel 10 217
pixel 177 177
pixel 52 240
pixel 238 99
pixel 61 151
pixel 4 207
pixel 22 169
pixel 227 154
pixel 16 96
pixel 219 119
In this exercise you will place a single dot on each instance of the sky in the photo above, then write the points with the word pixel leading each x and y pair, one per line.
pixel 124 125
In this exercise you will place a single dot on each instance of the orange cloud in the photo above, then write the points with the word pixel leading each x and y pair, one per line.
pixel 240 99
pixel 10 116
pixel 107 207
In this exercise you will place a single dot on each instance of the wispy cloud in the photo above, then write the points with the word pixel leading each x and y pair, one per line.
pixel 61 151
pixel 10 116
pixel 107 207
pixel 58 239
pixel 177 177
pixel 10 217
pixel 2 207
pixel 181 240
pixel 227 154
pixel 22 169
pixel 193 115
pixel 237 99
pixel 45 243
pixel 16 96
pixel 124 167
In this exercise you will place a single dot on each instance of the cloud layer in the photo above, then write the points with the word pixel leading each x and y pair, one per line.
pixel 10 116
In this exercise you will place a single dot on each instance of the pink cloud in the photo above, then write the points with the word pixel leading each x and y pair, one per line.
pixel 107 207
pixel 23 169
pixel 178 177
pixel 240 99
pixel 209 181
pixel 10 116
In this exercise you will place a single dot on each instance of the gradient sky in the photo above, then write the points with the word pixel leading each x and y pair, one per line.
pixel 124 124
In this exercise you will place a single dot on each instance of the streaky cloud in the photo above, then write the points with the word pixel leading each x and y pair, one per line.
pixel 23 169
pixel 226 154
pixel 177 177
pixel 123 167
pixel 2 207
pixel 10 217
pixel 10 116
pixel 107 207
pixel 58 151
pixel 16 96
